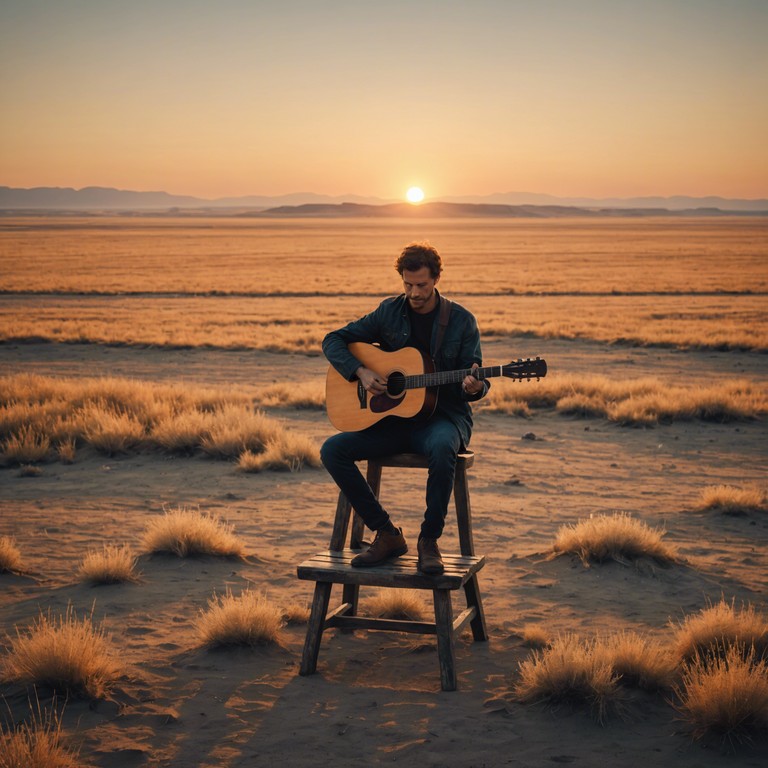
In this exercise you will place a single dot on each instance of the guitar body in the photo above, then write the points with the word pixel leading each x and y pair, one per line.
pixel 350 408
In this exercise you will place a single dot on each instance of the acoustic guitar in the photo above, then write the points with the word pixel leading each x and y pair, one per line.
pixel 412 385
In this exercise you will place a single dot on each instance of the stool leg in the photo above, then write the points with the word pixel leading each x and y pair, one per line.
pixel 474 600
pixel 446 651
pixel 315 627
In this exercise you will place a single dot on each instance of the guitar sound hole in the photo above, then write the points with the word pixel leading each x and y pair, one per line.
pixel 395 384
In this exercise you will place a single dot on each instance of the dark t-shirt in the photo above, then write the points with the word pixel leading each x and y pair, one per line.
pixel 421 329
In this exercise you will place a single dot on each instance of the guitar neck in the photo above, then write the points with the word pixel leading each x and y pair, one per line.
pixel 438 378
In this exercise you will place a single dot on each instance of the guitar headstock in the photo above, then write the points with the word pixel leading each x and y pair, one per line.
pixel 525 369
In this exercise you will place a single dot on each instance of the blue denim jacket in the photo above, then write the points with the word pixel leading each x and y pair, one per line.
pixel 389 326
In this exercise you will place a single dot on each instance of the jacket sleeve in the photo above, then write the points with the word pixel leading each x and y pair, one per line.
pixel 366 329
pixel 471 353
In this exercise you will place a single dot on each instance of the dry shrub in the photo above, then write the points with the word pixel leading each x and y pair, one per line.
pixel 569 671
pixel 27 445
pixel 725 696
pixel 638 661
pixel 237 429
pixel 617 537
pixel 10 556
pixel 111 565
pixel 66 450
pixel 185 533
pixel 182 432
pixel 290 452
pixel 30 470
pixel 296 613
pixel 535 636
pixel 38 743
pixel 305 395
pixel 64 653
pixel 404 604
pixel 110 432
pixel 732 501
pixel 719 627
pixel 248 619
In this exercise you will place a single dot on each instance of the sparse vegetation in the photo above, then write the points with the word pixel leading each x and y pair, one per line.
pixel 110 565
pixel 186 533
pixel 733 501
pixel 569 671
pixel 39 742
pixel 618 537
pixel 246 619
pixel 65 653
pixel 10 555
pixel 405 604
pixel 639 662
pixel 715 629
pixel 725 696
pixel 120 416
pixel 296 613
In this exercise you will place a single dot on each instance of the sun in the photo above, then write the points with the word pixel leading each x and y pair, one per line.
pixel 415 195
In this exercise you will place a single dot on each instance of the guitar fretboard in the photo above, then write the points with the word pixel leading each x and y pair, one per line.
pixel 438 378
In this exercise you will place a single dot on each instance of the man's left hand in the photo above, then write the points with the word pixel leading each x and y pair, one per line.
pixel 471 385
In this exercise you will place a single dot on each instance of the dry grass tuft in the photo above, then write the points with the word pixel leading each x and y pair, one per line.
pixel 248 619
pixel 569 671
pixel 403 604
pixel 535 636
pixel 26 446
pixel 185 533
pixel 64 653
pixel 67 450
pixel 289 453
pixel 38 743
pixel 639 662
pixel 618 537
pixel 733 501
pixel 111 565
pixel 296 613
pixel 716 629
pixel 725 696
pixel 112 433
pixel 10 556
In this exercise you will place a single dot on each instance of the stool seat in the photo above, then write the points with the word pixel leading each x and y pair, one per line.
pixel 333 566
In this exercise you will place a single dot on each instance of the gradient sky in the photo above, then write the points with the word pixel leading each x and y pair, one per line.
pixel 234 97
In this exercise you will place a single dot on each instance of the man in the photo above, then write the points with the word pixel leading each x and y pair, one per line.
pixel 412 319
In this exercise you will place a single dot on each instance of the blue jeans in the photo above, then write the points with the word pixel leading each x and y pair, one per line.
pixel 438 439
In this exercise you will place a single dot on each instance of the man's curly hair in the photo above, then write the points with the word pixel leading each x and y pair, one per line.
pixel 418 255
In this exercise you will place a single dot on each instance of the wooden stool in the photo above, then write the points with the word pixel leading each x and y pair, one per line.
pixel 333 566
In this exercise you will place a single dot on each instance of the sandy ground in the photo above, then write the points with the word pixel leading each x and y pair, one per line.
pixel 376 697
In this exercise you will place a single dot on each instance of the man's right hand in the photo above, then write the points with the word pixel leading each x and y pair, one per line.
pixel 371 381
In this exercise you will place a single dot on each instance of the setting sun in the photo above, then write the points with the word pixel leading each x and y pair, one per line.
pixel 414 195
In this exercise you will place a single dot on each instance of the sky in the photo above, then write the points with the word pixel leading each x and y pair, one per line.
pixel 598 98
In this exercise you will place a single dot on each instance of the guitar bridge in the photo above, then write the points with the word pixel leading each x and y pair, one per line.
pixel 362 396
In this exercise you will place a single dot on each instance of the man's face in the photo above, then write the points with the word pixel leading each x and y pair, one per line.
pixel 419 288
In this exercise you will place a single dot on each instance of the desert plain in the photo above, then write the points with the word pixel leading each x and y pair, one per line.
pixel 240 306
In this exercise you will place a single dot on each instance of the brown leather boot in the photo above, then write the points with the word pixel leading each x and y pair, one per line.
pixel 430 559
pixel 384 546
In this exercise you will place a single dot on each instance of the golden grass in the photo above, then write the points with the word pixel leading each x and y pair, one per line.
pixel 725 696
pixel 618 537
pixel 718 627
pixel 187 533
pixel 110 565
pixel 290 453
pixel 639 662
pixel 535 636
pixel 733 501
pixel 64 653
pixel 634 402
pixel 10 555
pixel 568 671
pixel 296 613
pixel 38 743
pixel 238 255
pixel 404 604
pixel 247 619
pixel 115 416
pixel 25 446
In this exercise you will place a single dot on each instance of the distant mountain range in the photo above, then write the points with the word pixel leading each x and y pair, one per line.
pixel 309 204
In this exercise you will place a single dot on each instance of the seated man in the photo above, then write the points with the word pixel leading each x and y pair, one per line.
pixel 448 334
